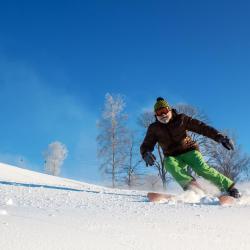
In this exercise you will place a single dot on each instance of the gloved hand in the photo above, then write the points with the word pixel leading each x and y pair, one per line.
pixel 227 143
pixel 149 158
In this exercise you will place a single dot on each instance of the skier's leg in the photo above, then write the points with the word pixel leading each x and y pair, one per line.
pixel 177 168
pixel 195 160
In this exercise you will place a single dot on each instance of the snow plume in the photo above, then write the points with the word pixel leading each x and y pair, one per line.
pixel 54 157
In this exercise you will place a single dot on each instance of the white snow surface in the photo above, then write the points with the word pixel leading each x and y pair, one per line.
pixel 38 211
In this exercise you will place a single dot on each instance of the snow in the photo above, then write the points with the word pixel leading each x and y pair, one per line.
pixel 38 211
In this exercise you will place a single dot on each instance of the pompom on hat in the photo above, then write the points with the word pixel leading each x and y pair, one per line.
pixel 161 103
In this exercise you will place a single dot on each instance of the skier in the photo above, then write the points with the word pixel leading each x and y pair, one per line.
pixel 170 131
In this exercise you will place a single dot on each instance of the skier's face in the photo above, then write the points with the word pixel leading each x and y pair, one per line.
pixel 164 117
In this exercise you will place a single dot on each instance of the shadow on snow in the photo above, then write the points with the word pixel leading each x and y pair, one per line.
pixel 30 185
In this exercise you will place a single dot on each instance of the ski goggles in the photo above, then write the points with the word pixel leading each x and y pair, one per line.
pixel 162 111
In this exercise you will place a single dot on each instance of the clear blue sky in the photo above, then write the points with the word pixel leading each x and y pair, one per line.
pixel 59 58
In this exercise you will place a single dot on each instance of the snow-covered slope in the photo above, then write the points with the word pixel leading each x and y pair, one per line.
pixel 39 211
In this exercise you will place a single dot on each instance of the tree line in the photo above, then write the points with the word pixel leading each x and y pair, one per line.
pixel 118 148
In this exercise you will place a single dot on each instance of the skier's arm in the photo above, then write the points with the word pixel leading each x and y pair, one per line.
pixel 148 142
pixel 201 128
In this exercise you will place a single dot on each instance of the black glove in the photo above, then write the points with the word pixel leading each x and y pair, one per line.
pixel 149 158
pixel 227 143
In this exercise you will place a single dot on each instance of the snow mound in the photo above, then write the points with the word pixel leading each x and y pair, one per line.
pixel 39 211
pixel 26 177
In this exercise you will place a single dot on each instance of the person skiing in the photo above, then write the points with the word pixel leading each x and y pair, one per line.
pixel 170 131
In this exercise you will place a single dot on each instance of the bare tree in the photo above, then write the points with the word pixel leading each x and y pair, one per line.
pixel 54 157
pixel 112 139
pixel 233 164
pixel 131 168
pixel 144 120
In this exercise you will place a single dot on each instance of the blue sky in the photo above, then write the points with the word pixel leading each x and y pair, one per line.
pixel 57 61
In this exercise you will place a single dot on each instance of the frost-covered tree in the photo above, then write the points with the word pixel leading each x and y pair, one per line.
pixel 113 137
pixel 234 163
pixel 54 157
pixel 146 118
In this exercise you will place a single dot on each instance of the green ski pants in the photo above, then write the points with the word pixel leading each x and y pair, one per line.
pixel 177 167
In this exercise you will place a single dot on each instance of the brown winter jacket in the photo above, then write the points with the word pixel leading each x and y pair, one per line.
pixel 173 138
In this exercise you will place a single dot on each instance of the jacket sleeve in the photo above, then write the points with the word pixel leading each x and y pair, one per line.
pixel 149 141
pixel 201 128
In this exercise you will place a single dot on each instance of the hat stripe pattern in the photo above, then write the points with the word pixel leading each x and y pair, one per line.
pixel 161 103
